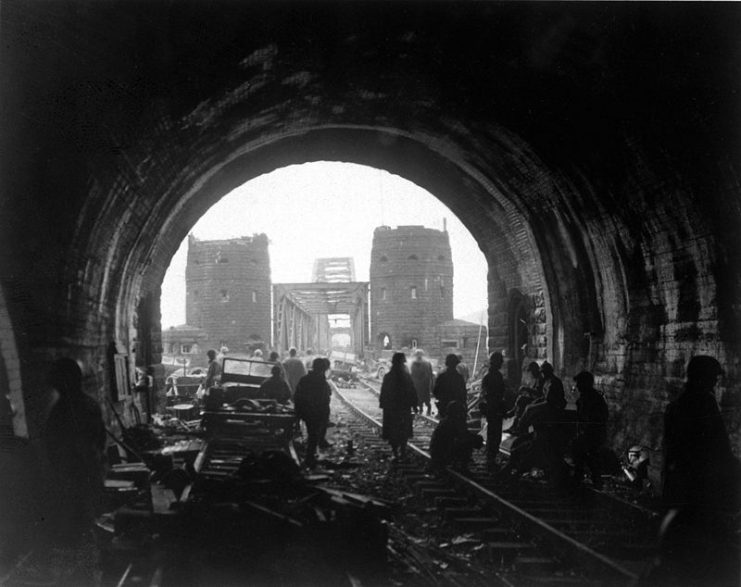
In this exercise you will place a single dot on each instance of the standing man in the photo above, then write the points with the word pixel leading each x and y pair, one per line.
pixel 701 485
pixel 422 377
pixel 312 406
pixel 294 369
pixel 398 399
pixel 591 435
pixel 449 386
pixel 75 444
pixel 274 357
pixel 553 391
pixel 213 371
pixel 494 408
pixel 144 387
pixel 309 360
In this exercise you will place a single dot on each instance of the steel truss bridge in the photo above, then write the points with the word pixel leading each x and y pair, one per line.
pixel 302 314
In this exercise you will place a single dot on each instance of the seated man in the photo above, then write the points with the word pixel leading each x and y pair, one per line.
pixel 543 448
pixel 525 397
pixel 636 468
pixel 275 387
pixel 452 443
pixel 547 411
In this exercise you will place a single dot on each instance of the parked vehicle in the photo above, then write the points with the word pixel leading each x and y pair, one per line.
pixel 240 379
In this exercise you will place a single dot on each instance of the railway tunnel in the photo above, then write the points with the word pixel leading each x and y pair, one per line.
pixel 591 150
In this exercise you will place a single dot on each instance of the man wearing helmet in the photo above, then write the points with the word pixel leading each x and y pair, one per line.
pixel 701 484
pixel 696 446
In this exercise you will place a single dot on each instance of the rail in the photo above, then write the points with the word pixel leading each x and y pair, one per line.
pixel 563 545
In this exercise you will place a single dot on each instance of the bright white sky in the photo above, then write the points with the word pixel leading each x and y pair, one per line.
pixel 328 209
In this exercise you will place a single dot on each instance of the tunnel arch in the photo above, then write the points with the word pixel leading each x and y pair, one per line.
pixel 544 230
pixel 498 222
pixel 511 249
pixel 604 192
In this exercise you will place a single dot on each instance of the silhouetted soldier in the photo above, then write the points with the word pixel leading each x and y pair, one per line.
pixel 493 406
pixel 546 417
pixel 213 372
pixel 75 444
pixel 462 368
pixel 701 486
pixel 294 369
pixel 309 359
pixel 591 435
pixel 144 388
pixel 531 390
pixel 533 378
pixel 275 387
pixel 421 372
pixel 312 406
pixel 449 386
pixel 548 411
pixel 274 357
pixel 398 399
pixel 452 443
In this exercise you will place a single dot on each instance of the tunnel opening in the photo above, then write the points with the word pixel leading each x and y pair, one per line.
pixel 296 225
pixel 509 239
pixel 531 239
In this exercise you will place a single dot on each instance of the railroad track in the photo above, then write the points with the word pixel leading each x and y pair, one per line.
pixel 532 534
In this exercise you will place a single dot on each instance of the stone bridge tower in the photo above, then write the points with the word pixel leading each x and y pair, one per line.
pixel 411 280
pixel 228 291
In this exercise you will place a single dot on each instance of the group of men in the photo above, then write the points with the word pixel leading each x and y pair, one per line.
pixel 538 416
pixel 290 380
pixel 310 392
pixel 701 474
pixel 449 385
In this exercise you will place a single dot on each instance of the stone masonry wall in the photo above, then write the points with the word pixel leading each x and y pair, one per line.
pixel 401 259
pixel 228 291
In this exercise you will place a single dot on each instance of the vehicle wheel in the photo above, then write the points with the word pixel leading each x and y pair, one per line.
pixel 380 373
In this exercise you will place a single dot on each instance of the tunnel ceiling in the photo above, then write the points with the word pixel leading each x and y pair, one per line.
pixel 567 137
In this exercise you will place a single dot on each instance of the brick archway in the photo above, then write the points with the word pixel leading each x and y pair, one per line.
pixel 492 216
pixel 129 259
pixel 607 193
